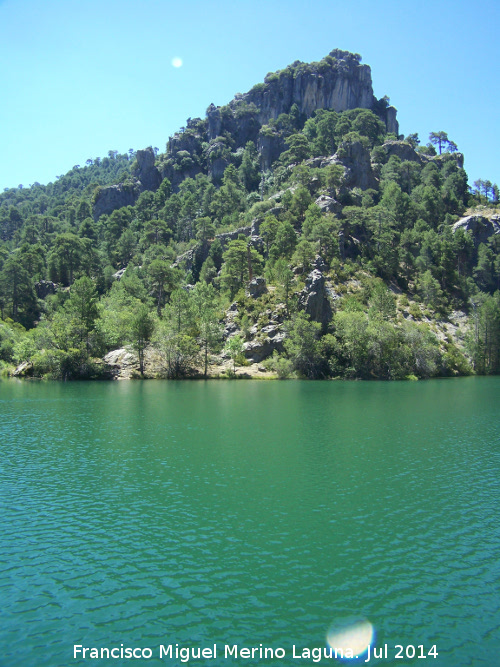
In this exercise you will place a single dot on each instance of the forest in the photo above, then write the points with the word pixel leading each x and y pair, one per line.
pixel 312 245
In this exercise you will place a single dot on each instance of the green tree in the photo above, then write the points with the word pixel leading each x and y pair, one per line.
pixel 382 303
pixel 65 258
pixel 179 310
pixel 285 277
pixel 299 149
pixel 82 305
pixel 430 290
pixel 440 139
pixel 351 331
pixel 284 241
pixel 268 230
pixel 230 199
pixel 304 255
pixel 178 350
pixel 16 290
pixel 369 125
pixel 207 320
pixel 302 346
pixel 163 278
pixel 249 171
pixel 484 270
pixel 241 263
pixel 234 348
pixel 156 231
pixel 205 229
pixel 142 328
pixel 320 131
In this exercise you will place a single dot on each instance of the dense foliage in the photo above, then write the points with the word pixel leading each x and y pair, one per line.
pixel 386 246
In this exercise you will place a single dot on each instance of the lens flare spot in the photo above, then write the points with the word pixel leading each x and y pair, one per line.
pixel 351 637
pixel 176 62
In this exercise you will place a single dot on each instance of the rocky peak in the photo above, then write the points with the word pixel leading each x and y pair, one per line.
pixel 337 82
pixel 146 172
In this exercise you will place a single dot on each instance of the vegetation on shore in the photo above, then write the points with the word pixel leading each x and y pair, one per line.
pixel 407 294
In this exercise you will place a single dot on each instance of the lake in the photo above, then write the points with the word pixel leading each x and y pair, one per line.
pixel 249 513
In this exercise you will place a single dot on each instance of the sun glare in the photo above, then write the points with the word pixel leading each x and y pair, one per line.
pixel 354 634
pixel 176 62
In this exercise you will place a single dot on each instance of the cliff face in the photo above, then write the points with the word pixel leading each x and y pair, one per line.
pixel 338 82
pixel 147 176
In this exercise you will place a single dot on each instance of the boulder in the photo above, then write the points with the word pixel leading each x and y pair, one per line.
pixel 328 205
pixel 270 339
pixel 122 363
pixel 479 226
pixel 118 274
pixel 403 150
pixel 257 287
pixel 314 298
pixel 25 369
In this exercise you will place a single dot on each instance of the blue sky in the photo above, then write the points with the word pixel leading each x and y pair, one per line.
pixel 81 77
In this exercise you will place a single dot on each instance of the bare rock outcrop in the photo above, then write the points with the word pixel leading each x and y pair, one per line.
pixel 355 159
pixel 112 197
pixel 122 364
pixel 145 171
pixel 269 339
pixel 316 295
pixel 338 82
pixel 257 287
pixel 328 204
pixel 147 177
pixel 403 150
pixel 479 226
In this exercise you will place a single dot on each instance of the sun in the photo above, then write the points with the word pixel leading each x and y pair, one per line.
pixel 176 62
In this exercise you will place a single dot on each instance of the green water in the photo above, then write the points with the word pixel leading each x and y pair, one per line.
pixel 156 513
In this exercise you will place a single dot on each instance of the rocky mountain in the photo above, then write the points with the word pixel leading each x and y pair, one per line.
pixel 338 82
pixel 291 232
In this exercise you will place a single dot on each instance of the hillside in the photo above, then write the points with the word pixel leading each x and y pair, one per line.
pixel 291 232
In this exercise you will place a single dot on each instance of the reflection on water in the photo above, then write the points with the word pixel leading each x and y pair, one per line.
pixel 243 513
pixel 350 637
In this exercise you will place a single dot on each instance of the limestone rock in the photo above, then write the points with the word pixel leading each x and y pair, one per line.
pixel 230 327
pixel 338 82
pixel 257 287
pixel 112 197
pixel 146 172
pixel 25 369
pixel 403 150
pixel 199 253
pixel 480 227
pixel 122 363
pixel 119 274
pixel 225 237
pixel 391 122
pixel 314 298
pixel 328 204
pixel 341 84
pixel 355 159
pixel 270 339
pixel 270 146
